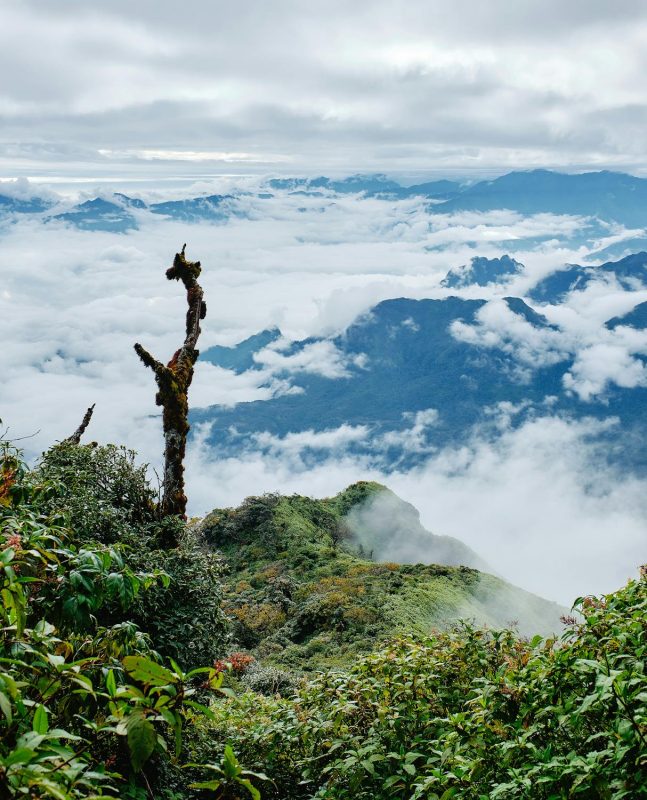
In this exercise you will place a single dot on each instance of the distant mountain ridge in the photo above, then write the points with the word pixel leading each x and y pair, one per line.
pixel 611 196
pixel 482 272
pixel 630 273
pixel 608 195
pixel 418 375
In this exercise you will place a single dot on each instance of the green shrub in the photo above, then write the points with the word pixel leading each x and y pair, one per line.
pixel 104 494
pixel 270 680
pixel 474 714
pixel 84 706
pixel 184 617
pixel 101 493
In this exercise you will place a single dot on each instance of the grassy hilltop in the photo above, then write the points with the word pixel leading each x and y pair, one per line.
pixel 307 587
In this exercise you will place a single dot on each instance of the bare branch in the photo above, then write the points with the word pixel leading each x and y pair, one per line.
pixel 148 359
pixel 75 438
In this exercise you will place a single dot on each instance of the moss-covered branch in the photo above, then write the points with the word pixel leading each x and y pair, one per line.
pixel 75 438
pixel 173 381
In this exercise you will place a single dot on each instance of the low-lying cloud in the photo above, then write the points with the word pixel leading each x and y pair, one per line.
pixel 536 502
pixel 602 357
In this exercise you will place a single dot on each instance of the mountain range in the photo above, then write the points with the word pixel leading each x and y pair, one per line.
pixel 609 196
pixel 412 376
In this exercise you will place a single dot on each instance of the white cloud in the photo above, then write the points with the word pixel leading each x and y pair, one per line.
pixel 601 357
pixel 411 439
pixel 319 358
pixel 73 303
pixel 498 326
pixel 294 446
pixel 598 366
pixel 348 83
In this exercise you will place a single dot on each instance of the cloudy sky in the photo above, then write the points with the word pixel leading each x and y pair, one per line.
pixel 422 87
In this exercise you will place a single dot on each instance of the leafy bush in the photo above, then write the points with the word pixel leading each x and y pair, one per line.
pixel 184 617
pixel 237 662
pixel 270 680
pixel 105 495
pixel 474 714
pixel 252 520
pixel 84 706
pixel 102 494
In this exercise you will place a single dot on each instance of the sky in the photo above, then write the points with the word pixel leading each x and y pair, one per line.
pixel 180 99
pixel 416 88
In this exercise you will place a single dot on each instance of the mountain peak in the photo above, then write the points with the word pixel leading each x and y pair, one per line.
pixel 483 272
pixel 303 573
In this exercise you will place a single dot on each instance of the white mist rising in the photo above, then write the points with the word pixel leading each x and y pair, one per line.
pixel 386 528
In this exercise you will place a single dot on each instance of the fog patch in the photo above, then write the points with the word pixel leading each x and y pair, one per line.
pixel 503 605
pixel 386 528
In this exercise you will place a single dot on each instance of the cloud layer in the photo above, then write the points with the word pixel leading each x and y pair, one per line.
pixel 152 87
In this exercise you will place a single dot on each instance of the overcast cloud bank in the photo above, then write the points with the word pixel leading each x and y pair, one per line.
pixel 157 89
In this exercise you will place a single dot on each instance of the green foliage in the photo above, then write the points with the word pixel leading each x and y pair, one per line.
pixel 105 498
pixel 101 628
pixel 301 599
pixel 230 776
pixel 269 680
pixel 184 617
pixel 470 713
pixel 85 704
pixel 104 493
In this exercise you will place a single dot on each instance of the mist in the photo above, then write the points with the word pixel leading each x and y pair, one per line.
pixel 386 528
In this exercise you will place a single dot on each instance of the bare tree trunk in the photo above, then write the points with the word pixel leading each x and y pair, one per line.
pixel 173 381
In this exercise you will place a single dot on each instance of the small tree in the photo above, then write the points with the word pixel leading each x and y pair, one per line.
pixel 173 381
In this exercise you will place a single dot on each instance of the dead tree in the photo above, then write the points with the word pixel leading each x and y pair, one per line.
pixel 173 381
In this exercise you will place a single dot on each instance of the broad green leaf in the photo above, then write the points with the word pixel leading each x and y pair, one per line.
pixel 141 738
pixel 111 683
pixel 230 765
pixel 147 671
pixel 215 784
pixel 22 755
pixel 5 707
pixel 256 795
pixel 40 723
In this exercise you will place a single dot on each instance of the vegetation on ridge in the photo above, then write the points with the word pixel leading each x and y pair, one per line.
pixel 303 594
pixel 469 713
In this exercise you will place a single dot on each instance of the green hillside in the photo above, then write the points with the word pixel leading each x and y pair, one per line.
pixel 304 588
